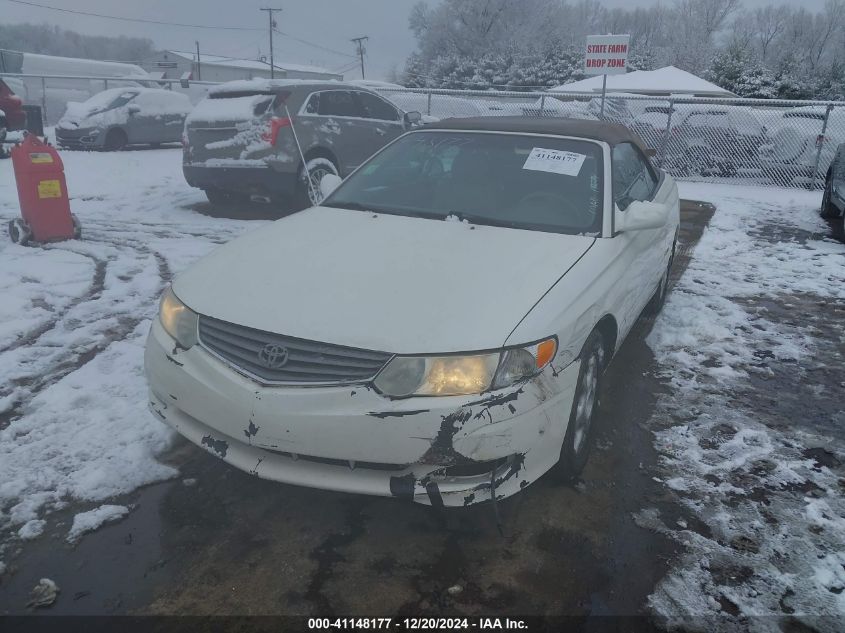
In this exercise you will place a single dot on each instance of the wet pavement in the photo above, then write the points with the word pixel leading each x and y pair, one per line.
pixel 218 541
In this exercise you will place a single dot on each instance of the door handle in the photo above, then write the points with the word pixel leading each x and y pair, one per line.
pixel 380 132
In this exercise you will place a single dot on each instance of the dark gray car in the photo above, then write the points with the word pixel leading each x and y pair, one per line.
pixel 115 118
pixel 833 198
pixel 248 139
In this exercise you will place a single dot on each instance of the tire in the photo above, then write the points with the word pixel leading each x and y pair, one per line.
pixel 19 232
pixel 3 130
pixel 579 431
pixel 655 304
pixel 317 168
pixel 218 197
pixel 828 210
pixel 116 140
pixel 837 226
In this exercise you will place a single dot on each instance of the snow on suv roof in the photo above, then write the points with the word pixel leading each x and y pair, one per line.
pixel 610 133
pixel 275 85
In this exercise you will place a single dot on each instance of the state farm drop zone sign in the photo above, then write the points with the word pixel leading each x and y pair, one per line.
pixel 606 54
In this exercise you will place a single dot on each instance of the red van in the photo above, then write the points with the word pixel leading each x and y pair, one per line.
pixel 13 116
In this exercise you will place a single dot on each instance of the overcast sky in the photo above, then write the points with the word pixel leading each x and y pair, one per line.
pixel 329 23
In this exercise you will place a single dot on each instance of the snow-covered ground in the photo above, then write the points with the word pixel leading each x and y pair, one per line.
pixel 73 319
pixel 762 529
pixel 762 482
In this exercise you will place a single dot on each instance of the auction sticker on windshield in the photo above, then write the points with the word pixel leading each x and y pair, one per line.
pixel 554 161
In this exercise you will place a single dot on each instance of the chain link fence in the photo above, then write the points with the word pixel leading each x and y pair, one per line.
pixel 789 143
pixel 52 93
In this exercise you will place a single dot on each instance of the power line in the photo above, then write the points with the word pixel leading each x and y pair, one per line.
pixel 345 69
pixel 122 19
pixel 320 46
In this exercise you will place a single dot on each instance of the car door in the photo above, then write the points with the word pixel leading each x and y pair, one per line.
pixel 145 123
pixel 384 122
pixel 343 119
pixel 641 253
pixel 173 112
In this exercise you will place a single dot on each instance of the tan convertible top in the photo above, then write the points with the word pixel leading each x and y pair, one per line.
pixel 610 133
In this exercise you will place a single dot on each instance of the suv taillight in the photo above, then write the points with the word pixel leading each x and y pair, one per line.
pixel 276 124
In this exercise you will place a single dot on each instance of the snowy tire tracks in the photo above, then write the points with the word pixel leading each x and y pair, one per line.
pixel 37 376
pixel 73 420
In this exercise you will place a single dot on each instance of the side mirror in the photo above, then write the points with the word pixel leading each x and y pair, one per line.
pixel 412 118
pixel 642 215
pixel 133 108
pixel 328 184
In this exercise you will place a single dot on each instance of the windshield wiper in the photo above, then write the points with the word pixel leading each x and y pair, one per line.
pixel 354 206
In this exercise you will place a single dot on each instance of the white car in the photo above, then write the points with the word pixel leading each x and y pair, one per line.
pixel 801 147
pixel 436 330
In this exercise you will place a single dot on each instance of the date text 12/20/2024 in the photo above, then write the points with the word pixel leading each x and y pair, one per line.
pixel 418 624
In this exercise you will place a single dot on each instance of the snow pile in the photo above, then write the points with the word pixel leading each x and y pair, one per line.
pixel 227 109
pixel 88 437
pixel 765 492
pixel 31 529
pixel 93 519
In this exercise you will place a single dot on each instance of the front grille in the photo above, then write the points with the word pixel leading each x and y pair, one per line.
pixel 346 463
pixel 307 362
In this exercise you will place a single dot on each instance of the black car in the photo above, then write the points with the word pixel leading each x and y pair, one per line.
pixel 833 199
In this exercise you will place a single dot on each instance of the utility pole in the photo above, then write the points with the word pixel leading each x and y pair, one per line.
pixel 360 42
pixel 272 26
pixel 199 68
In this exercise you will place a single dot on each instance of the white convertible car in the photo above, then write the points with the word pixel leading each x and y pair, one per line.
pixel 435 330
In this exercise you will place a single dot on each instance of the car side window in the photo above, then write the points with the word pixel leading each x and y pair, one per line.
pixel 340 103
pixel 376 107
pixel 313 105
pixel 633 177
pixel 123 99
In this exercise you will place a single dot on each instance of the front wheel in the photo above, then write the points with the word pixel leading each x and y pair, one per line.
pixel 828 210
pixel 655 304
pixel 579 432
pixel 116 140
pixel 308 185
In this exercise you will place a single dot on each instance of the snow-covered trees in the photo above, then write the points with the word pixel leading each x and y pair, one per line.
pixel 50 40
pixel 774 51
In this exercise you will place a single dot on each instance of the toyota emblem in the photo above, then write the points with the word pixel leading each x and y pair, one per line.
pixel 273 356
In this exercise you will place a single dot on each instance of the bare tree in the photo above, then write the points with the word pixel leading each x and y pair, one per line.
pixel 769 22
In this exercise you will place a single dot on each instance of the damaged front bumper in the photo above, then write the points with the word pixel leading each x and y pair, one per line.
pixel 458 450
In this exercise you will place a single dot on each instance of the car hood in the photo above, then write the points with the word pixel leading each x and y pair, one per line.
pixel 381 282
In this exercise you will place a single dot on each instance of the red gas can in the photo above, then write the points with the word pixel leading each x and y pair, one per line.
pixel 45 208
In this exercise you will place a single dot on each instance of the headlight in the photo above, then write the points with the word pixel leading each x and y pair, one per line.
pixel 177 319
pixel 457 375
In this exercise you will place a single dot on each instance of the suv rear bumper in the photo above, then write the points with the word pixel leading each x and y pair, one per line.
pixel 246 179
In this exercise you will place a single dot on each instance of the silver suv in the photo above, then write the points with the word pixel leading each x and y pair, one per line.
pixel 270 140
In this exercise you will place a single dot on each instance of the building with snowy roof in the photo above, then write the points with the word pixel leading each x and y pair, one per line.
pixel 174 64
pixel 661 82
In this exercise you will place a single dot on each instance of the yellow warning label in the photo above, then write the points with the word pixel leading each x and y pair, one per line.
pixel 40 158
pixel 49 189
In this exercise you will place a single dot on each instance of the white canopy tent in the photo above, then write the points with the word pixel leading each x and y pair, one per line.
pixel 663 81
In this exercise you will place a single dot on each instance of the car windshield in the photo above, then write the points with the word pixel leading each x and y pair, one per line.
pixel 108 100
pixel 527 182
